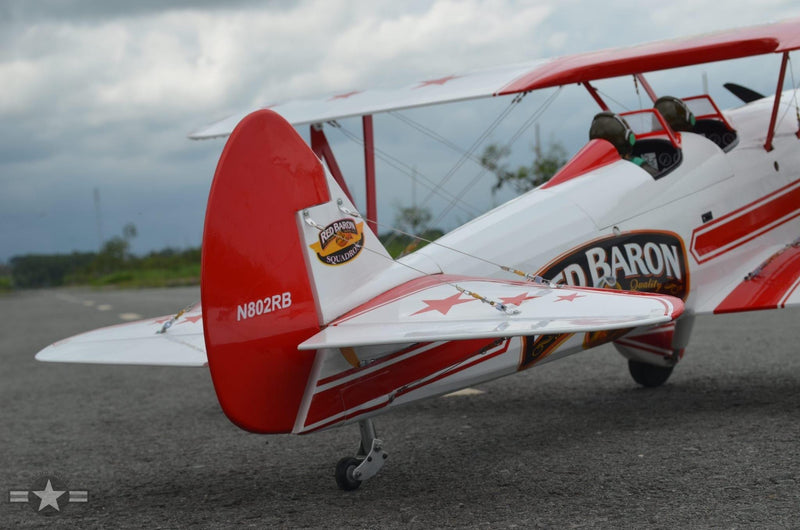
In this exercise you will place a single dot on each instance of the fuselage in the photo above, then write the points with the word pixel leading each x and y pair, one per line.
pixel 691 233
pixel 535 229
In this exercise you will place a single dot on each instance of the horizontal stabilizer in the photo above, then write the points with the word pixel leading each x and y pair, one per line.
pixel 138 342
pixel 445 308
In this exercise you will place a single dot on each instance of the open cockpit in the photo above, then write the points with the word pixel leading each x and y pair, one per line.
pixel 651 137
pixel 711 123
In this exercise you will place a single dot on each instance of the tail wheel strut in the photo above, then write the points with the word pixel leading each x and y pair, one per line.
pixel 351 471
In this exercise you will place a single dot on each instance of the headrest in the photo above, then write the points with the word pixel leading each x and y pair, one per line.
pixel 676 112
pixel 611 127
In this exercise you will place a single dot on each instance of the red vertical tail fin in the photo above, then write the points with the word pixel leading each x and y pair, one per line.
pixel 258 303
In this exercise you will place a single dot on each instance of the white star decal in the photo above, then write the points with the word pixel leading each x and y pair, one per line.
pixel 49 497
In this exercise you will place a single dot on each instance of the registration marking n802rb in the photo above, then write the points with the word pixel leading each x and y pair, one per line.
pixel 264 305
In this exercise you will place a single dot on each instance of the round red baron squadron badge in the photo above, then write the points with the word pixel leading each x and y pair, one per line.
pixel 640 260
pixel 339 242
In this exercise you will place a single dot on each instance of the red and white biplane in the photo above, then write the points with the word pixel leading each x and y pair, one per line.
pixel 307 323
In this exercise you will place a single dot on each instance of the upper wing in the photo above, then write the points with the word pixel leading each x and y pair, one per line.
pixel 446 89
pixel 425 311
pixel 182 344
pixel 730 44
pixel 662 55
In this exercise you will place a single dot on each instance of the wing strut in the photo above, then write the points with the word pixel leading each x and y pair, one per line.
pixel 647 87
pixel 593 91
pixel 321 148
pixel 369 173
pixel 771 132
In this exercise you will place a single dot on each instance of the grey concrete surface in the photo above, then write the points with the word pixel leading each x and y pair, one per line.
pixel 572 444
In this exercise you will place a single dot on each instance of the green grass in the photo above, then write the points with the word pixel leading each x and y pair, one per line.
pixel 398 245
pixel 186 275
pixel 5 284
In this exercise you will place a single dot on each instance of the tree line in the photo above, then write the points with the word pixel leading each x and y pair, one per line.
pixel 113 264
pixel 163 267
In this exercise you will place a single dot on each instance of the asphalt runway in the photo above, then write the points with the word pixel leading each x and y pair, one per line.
pixel 571 444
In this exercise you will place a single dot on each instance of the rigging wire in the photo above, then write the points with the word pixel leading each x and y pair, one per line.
pixel 794 97
pixel 519 132
pixel 500 306
pixel 466 155
pixel 431 133
pixel 636 87
pixel 607 96
pixel 478 141
pixel 527 276
pixel 406 169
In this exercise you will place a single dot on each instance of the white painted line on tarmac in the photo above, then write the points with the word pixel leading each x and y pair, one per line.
pixel 105 307
pixel 130 316
pixel 67 298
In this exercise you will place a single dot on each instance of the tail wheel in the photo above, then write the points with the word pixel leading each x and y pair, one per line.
pixel 344 473
pixel 649 375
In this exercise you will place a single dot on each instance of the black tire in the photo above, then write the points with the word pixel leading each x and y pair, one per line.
pixel 649 375
pixel 344 473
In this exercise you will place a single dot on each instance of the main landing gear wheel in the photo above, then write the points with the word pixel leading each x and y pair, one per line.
pixel 649 375
pixel 344 473
pixel 351 471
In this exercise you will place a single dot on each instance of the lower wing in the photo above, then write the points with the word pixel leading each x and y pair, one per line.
pixel 165 341
pixel 772 284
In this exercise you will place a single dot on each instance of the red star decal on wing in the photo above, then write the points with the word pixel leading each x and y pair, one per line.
pixel 346 95
pixel 192 319
pixel 517 300
pixel 569 297
pixel 440 81
pixel 443 306
pixel 162 320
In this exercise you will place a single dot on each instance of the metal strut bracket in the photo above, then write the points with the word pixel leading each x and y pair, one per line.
pixel 373 460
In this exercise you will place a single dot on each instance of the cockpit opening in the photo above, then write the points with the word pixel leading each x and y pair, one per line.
pixel 615 130
pixel 710 122
pixel 649 138
pixel 656 142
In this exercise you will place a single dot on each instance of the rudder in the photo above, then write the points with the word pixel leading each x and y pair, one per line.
pixel 257 301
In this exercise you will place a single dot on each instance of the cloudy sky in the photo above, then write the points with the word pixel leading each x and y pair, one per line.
pixel 100 95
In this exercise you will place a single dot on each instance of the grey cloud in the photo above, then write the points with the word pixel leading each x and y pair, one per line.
pixel 108 91
pixel 90 11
